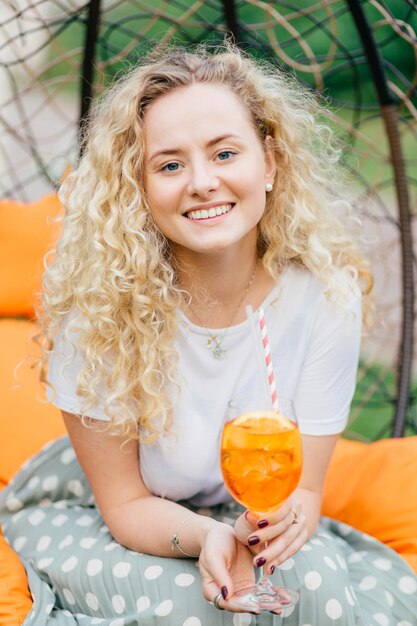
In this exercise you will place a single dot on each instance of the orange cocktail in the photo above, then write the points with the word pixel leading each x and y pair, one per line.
pixel 261 459
pixel 261 462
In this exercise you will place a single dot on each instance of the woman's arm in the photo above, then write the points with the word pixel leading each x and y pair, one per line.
pixel 145 523
pixel 135 517
pixel 317 452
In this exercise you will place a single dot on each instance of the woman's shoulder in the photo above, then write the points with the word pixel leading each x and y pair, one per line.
pixel 341 292
pixel 300 283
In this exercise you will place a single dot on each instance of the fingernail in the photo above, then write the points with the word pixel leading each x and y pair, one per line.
pixel 272 569
pixel 252 541
pixel 261 561
pixel 262 523
pixel 246 515
pixel 224 592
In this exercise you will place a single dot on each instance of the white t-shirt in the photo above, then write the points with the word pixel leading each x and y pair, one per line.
pixel 315 350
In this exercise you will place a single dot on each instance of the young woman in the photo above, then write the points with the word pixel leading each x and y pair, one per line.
pixel 209 182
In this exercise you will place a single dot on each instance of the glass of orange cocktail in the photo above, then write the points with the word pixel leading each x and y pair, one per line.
pixel 261 462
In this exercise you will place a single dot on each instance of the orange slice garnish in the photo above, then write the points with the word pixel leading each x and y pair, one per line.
pixel 265 421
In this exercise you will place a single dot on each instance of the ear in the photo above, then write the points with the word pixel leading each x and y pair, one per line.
pixel 270 160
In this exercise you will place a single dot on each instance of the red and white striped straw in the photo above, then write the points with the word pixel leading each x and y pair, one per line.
pixel 268 359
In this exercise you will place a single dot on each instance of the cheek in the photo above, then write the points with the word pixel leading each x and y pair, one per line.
pixel 250 178
pixel 160 197
pixel 253 189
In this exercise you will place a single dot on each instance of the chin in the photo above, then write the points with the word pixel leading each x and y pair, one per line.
pixel 215 248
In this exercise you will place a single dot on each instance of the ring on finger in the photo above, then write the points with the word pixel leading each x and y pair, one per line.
pixel 295 520
pixel 216 601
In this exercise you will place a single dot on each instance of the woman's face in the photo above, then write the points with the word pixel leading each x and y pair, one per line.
pixel 205 169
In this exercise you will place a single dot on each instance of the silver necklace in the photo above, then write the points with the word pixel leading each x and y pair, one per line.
pixel 215 340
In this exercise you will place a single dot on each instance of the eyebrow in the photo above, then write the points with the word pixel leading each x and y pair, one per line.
pixel 210 144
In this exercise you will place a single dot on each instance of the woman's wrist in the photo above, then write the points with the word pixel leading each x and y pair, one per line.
pixel 208 524
pixel 189 537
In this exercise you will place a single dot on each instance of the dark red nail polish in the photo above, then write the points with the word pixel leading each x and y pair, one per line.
pixel 224 592
pixel 272 570
pixel 252 541
pixel 261 561
pixel 262 523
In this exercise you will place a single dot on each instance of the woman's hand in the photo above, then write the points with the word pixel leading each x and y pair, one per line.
pixel 225 565
pixel 285 530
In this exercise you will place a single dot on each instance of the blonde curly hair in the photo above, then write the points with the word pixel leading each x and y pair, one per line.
pixel 114 272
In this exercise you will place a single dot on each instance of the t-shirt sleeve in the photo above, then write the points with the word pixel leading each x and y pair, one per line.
pixel 64 365
pixel 328 375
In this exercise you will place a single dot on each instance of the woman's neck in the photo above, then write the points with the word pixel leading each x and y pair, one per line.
pixel 222 280
pixel 221 286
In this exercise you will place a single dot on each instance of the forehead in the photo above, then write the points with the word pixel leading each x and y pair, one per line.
pixel 201 110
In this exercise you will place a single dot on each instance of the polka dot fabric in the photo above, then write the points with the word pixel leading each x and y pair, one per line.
pixel 78 574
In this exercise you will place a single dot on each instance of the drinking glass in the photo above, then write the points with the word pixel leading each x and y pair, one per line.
pixel 261 462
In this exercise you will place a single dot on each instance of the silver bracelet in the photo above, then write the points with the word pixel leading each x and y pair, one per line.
pixel 175 541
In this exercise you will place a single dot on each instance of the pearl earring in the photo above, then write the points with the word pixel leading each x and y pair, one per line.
pixel 268 187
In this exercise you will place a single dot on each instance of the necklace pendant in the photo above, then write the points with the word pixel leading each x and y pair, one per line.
pixel 214 344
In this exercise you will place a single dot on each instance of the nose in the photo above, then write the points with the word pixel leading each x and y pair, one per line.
pixel 203 180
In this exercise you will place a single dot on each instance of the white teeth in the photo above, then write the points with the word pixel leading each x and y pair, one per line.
pixel 212 212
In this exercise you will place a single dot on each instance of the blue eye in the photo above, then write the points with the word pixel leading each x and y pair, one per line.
pixel 225 155
pixel 170 167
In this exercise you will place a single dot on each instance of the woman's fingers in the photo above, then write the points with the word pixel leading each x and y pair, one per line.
pixel 256 521
pixel 244 528
pixel 270 531
pixel 240 574
pixel 218 550
pixel 252 530
pixel 283 546
pixel 288 552
pixel 215 580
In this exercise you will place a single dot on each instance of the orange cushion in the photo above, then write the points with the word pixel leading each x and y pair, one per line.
pixel 26 422
pixel 26 234
pixel 15 598
pixel 373 487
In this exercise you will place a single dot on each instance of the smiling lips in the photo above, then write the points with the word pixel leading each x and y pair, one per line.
pixel 202 214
